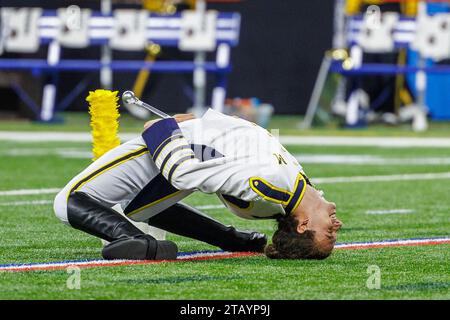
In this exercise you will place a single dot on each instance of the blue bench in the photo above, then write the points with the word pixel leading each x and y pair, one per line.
pixel 164 30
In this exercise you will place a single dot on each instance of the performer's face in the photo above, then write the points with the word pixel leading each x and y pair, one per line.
pixel 317 214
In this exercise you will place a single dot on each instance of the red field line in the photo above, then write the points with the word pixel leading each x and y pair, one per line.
pixel 113 263
pixel 209 256
pixel 375 246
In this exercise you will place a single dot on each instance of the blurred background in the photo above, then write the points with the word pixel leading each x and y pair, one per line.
pixel 342 64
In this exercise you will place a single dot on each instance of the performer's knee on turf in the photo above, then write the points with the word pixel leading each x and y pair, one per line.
pixel 60 207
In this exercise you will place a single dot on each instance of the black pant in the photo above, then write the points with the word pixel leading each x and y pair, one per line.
pixel 91 216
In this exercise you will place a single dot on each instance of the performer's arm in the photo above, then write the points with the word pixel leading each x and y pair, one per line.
pixel 247 178
pixel 174 157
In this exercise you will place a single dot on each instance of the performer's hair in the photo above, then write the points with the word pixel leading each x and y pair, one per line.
pixel 287 243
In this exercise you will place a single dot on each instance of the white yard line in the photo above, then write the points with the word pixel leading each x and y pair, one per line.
pixel 29 192
pixel 366 141
pixel 391 211
pixel 25 203
pixel 46 202
pixel 351 159
pixel 78 153
pixel 29 136
pixel 395 177
pixel 205 207
pixel 42 136
pixel 344 159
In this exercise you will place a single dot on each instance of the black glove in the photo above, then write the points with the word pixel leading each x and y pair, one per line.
pixel 251 241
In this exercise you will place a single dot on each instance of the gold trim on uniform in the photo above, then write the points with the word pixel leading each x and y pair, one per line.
pixel 110 165
pixel 153 203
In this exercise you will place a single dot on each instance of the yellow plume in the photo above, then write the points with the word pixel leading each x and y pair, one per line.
pixel 104 121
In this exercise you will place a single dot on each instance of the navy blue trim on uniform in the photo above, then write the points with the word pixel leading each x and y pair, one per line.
pixel 275 216
pixel 159 132
pixel 176 165
pixel 297 193
pixel 164 143
pixel 156 189
pixel 205 153
pixel 169 155
pixel 242 204
pixel 159 187
pixel 268 191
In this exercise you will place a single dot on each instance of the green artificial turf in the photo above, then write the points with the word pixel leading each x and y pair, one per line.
pixel 286 124
pixel 31 233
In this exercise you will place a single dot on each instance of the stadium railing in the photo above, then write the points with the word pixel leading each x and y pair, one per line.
pixel 25 30
pixel 376 32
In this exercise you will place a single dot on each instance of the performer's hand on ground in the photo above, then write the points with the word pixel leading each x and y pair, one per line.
pixel 178 118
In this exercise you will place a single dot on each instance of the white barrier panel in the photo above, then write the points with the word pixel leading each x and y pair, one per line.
pixel 198 32
pixel 21 29
pixel 432 38
pixel 73 31
pixel 376 35
pixel 165 30
pixel 129 31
